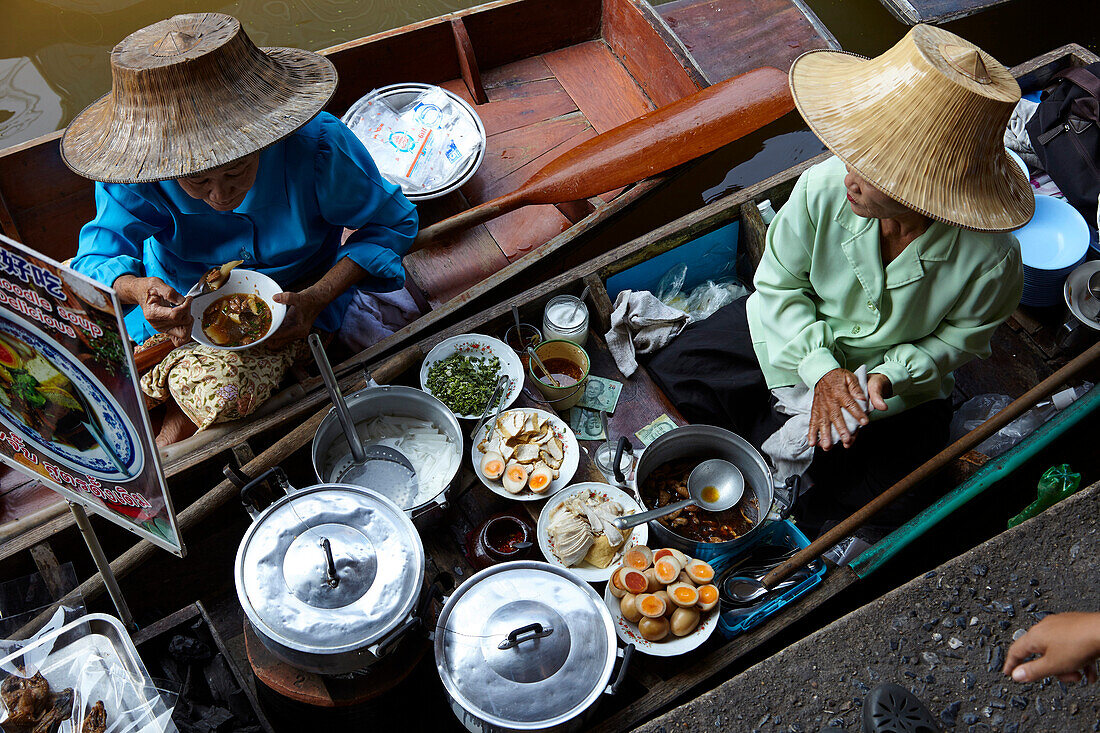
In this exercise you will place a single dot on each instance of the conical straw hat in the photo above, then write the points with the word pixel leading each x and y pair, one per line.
pixel 923 123
pixel 192 93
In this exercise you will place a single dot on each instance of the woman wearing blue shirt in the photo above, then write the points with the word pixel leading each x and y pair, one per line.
pixel 209 150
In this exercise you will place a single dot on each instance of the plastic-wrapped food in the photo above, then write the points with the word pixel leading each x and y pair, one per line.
pixel 704 299
pixel 75 679
pixel 420 146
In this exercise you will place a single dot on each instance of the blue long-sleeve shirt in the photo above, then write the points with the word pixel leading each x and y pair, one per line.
pixel 308 188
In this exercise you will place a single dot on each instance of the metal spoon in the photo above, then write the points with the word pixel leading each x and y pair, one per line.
pixel 714 485
pixel 519 326
pixel 577 305
pixel 378 467
pixel 542 366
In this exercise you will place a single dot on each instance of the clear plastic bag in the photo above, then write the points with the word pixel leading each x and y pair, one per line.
pixel 704 299
pixel 978 409
pixel 79 677
pixel 99 694
pixel 420 146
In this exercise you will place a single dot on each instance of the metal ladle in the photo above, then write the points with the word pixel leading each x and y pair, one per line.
pixel 379 467
pixel 714 485
pixel 542 366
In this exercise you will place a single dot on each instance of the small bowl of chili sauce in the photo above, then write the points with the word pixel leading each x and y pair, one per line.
pixel 500 538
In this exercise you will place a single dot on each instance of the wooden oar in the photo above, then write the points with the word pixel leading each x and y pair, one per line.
pixel 933 466
pixel 653 143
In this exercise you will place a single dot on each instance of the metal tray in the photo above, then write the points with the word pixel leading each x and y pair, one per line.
pixel 97 647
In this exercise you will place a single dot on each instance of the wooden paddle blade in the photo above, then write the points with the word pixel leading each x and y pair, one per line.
pixel 653 143
pixel 664 138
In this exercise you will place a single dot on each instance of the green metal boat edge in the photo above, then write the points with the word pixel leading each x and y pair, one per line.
pixel 992 472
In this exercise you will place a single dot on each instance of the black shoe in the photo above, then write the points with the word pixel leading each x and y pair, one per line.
pixel 889 708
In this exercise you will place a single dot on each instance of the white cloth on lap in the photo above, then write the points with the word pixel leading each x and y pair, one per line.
pixel 788 447
pixel 372 317
pixel 641 324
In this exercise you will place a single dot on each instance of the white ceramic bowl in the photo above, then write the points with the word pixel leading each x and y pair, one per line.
pixel 639 535
pixel 240 281
pixel 670 646
pixel 474 344
pixel 570 461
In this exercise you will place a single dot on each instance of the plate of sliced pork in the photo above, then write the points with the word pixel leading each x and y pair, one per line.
pixel 575 529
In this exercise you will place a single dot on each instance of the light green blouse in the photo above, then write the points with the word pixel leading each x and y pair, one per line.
pixel 823 299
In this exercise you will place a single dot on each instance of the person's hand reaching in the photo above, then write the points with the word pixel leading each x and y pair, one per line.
pixel 1066 645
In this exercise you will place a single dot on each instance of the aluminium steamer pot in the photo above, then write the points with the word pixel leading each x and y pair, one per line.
pixel 703 442
pixel 391 401
pixel 331 577
pixel 526 646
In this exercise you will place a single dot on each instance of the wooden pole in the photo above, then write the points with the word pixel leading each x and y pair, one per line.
pixel 282 449
pixel 933 465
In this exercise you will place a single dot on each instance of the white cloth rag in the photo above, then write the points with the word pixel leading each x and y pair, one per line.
pixel 372 317
pixel 788 447
pixel 1016 137
pixel 641 324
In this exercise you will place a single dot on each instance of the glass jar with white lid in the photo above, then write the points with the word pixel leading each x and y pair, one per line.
pixel 566 317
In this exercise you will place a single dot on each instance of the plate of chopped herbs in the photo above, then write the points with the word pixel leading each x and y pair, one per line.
pixel 462 371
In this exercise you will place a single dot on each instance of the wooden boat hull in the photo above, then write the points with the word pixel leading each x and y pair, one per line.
pixel 543 77
pixel 662 684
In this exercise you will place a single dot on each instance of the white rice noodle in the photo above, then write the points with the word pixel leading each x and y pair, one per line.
pixel 433 454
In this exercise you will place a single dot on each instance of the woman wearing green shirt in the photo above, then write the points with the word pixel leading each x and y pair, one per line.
pixel 895 256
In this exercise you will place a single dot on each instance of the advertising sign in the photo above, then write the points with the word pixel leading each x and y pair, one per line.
pixel 71 412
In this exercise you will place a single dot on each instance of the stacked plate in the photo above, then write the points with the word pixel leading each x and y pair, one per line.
pixel 1052 244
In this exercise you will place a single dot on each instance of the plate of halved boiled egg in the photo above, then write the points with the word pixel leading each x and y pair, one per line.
pixel 662 601
pixel 525 454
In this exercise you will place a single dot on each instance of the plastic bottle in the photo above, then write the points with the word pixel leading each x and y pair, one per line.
pixel 767 211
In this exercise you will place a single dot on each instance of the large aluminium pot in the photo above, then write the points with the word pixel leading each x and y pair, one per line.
pixel 703 442
pixel 331 577
pixel 393 401
pixel 526 646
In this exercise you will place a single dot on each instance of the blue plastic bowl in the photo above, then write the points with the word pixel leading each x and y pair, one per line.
pixel 1057 236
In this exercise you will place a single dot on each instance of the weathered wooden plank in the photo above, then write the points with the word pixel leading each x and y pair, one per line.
pixel 730 37
pixel 40 533
pixel 514 31
pixel 1038 72
pixel 912 12
pixel 446 270
pixel 523 230
pixel 27 499
pixel 516 113
pixel 599 302
pixel 514 74
pixel 507 152
pixel 598 83
pixel 50 570
pixel 650 52
pixel 467 61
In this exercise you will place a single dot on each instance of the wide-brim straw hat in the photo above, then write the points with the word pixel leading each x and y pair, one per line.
pixel 191 93
pixel 924 123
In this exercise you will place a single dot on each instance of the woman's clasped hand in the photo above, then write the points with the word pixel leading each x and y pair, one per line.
pixel 839 391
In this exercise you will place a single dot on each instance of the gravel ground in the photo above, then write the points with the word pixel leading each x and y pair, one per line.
pixel 943 635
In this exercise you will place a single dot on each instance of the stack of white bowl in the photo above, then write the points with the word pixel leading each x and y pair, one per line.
pixel 1052 244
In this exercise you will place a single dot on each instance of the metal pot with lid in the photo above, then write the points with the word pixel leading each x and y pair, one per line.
pixel 331 577
pixel 526 646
